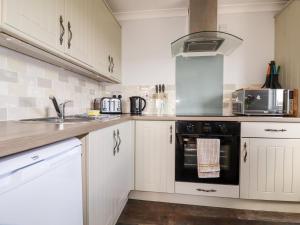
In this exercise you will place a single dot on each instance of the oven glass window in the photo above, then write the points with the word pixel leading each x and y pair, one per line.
pixel 186 160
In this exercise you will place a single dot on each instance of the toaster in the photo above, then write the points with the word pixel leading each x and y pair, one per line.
pixel 111 105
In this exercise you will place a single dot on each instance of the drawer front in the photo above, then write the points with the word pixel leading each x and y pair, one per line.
pixel 270 130
pixel 213 190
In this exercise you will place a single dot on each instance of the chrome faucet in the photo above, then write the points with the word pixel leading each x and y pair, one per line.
pixel 60 109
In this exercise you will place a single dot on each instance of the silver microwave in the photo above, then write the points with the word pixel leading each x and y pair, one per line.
pixel 280 102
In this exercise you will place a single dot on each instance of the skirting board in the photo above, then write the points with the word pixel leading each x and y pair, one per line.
pixel 217 202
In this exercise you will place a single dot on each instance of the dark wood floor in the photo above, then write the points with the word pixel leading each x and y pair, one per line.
pixel 155 213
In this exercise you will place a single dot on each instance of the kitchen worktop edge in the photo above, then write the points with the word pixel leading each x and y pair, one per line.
pixel 18 136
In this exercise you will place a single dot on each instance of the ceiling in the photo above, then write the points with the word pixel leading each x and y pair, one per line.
pixel 140 5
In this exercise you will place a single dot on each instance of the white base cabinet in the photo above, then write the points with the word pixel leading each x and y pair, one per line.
pixel 110 172
pixel 155 156
pixel 270 166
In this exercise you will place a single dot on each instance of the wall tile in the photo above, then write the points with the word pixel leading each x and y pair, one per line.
pixel 27 102
pixel 78 89
pixel 63 76
pixel 92 92
pixel 27 83
pixel 3 114
pixel 8 76
pixel 44 83
pixel 82 82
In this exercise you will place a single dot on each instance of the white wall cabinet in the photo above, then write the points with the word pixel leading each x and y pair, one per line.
pixel 110 172
pixel 107 41
pixel 83 32
pixel 39 20
pixel 155 156
pixel 78 31
pixel 269 166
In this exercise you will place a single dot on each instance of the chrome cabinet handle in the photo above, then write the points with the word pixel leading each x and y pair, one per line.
pixel 116 142
pixel 275 130
pixel 62 33
pixel 245 152
pixel 171 134
pixel 113 64
pixel 120 141
pixel 109 66
pixel 70 35
pixel 207 191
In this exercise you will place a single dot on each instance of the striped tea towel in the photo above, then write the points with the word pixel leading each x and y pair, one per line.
pixel 208 157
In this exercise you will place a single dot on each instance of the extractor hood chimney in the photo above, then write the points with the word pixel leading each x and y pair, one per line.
pixel 204 38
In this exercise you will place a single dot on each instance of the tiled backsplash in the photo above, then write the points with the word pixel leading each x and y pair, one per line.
pixel 145 91
pixel 26 84
pixel 170 106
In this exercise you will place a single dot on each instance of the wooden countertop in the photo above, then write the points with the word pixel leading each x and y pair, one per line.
pixel 18 136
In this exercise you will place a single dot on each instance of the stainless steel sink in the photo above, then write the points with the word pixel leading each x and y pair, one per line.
pixel 73 119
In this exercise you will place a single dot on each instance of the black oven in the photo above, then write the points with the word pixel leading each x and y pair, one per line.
pixel 187 133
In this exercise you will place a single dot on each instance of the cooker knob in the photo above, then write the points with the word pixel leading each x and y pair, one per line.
pixel 223 129
pixel 190 127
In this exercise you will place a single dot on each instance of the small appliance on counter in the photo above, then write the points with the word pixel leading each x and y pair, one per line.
pixel 110 105
pixel 272 102
pixel 137 105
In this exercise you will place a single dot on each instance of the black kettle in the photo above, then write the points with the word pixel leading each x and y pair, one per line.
pixel 137 105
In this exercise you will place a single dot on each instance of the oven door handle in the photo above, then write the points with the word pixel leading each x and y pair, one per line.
pixel 206 190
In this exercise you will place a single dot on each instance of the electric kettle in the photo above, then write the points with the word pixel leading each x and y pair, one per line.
pixel 137 105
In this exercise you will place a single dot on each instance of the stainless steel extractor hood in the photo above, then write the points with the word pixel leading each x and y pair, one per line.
pixel 204 39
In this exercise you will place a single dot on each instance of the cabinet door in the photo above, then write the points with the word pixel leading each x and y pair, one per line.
pixel 124 167
pixel 101 167
pixel 100 38
pixel 155 156
pixel 78 29
pixel 107 41
pixel 114 44
pixel 36 20
pixel 269 169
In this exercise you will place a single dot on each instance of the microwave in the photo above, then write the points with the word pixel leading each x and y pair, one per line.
pixel 273 102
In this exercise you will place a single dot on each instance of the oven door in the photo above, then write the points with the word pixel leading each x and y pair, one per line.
pixel 186 159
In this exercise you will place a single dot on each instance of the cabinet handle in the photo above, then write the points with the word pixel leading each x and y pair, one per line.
pixel 109 65
pixel 171 134
pixel 70 35
pixel 62 33
pixel 116 142
pixel 113 65
pixel 275 130
pixel 245 152
pixel 205 190
pixel 120 141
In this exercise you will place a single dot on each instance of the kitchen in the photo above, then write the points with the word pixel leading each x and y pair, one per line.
pixel 66 164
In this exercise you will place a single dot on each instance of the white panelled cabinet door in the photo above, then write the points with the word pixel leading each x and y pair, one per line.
pixel 124 168
pixel 155 156
pixel 41 21
pixel 99 38
pixel 110 166
pixel 101 166
pixel 115 47
pixel 270 169
pixel 78 29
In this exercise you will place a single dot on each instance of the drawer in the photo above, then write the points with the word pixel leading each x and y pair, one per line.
pixel 270 130
pixel 213 190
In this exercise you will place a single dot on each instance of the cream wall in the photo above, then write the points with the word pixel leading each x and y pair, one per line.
pixel 146 50
pixel 248 64
pixel 147 53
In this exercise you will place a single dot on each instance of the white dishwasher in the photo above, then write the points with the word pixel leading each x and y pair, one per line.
pixel 42 186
